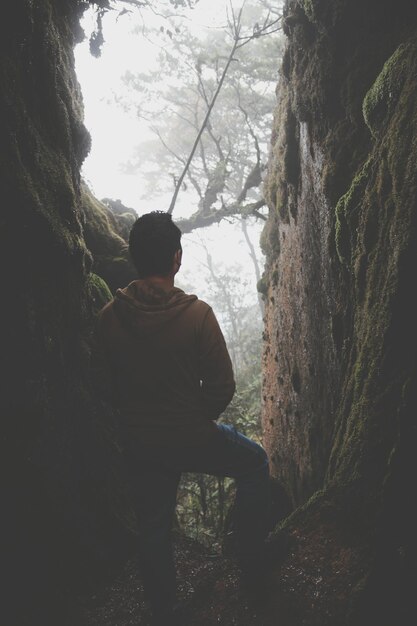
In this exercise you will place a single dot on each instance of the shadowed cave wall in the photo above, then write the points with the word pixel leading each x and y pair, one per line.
pixel 64 507
pixel 339 396
pixel 339 360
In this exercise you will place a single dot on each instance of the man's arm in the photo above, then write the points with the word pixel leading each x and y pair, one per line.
pixel 216 371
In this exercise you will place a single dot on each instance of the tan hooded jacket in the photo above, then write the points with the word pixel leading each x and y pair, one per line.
pixel 170 362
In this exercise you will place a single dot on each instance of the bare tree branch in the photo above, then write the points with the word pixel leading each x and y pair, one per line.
pixel 209 110
pixel 215 186
pixel 180 159
pixel 268 28
pixel 209 129
pixel 235 24
pixel 202 220
pixel 204 160
pixel 254 178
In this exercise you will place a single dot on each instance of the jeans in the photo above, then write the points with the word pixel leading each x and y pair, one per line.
pixel 155 475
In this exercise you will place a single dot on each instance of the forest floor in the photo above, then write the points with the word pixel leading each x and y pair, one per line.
pixel 310 587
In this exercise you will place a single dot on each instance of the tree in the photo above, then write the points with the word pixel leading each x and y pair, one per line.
pixel 191 106
pixel 161 7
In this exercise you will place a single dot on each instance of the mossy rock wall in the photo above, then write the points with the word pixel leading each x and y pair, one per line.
pixel 339 394
pixel 63 503
pixel 106 236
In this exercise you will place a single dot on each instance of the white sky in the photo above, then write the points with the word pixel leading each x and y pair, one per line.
pixel 116 132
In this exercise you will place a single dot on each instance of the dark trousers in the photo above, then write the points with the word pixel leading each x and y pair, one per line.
pixel 155 481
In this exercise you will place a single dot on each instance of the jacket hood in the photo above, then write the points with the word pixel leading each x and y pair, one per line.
pixel 144 309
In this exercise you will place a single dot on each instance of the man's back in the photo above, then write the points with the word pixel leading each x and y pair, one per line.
pixel 171 365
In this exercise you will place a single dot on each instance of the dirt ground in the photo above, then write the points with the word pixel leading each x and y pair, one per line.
pixel 310 586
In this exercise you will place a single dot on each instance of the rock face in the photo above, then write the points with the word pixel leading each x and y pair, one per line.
pixel 339 398
pixel 106 234
pixel 339 395
pixel 62 501
pixel 300 361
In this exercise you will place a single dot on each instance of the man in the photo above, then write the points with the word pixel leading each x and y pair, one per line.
pixel 174 378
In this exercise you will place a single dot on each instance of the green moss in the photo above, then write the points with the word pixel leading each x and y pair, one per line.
pixel 347 210
pixel 99 291
pixel 381 99
pixel 275 277
pixel 109 249
pixel 51 397
pixel 379 235
pixel 308 7
pixel 269 239
pixel 262 285
pixel 46 142
pixel 100 228
pixel 263 240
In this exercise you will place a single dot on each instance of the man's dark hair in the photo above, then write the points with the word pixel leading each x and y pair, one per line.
pixel 153 242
